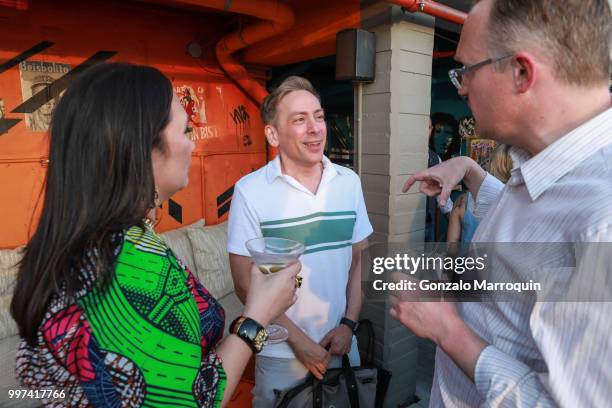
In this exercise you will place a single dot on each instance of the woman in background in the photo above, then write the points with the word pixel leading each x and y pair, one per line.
pixel 433 212
pixel 105 311
pixel 462 223
pixel 500 165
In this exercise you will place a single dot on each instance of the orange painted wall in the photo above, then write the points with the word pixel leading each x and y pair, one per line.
pixel 228 135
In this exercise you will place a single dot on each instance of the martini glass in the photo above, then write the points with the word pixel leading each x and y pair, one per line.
pixel 271 255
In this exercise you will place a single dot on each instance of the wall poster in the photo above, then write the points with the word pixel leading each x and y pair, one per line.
pixel 481 150
pixel 35 77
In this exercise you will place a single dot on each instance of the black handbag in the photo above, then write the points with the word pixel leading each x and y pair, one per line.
pixel 345 387
pixel 365 337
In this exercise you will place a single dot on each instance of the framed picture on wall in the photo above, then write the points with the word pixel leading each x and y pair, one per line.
pixel 480 150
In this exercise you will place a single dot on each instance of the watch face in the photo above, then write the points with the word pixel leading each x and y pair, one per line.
pixel 260 339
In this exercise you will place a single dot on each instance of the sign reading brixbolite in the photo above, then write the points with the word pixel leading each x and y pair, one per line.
pixel 36 76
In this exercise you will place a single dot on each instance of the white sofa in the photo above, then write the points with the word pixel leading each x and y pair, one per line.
pixel 202 248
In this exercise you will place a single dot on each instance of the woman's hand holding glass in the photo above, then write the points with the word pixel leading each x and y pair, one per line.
pixel 270 295
pixel 271 255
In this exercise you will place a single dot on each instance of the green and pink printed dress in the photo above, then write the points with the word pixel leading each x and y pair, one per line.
pixel 147 340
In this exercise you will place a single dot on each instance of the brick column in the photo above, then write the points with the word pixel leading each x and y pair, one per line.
pixel 394 143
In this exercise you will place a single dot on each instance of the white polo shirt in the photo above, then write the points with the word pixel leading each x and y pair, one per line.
pixel 269 203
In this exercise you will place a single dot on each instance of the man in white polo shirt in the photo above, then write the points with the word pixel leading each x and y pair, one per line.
pixel 301 195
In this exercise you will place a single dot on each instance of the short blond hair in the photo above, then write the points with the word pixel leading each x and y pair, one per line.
pixel 574 35
pixel 270 103
pixel 501 163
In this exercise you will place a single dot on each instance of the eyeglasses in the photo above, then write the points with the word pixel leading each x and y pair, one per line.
pixel 456 75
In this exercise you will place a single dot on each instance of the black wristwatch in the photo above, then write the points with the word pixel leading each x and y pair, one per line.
pixel 353 325
pixel 251 332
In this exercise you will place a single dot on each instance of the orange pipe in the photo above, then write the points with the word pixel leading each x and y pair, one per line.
pixel 443 54
pixel 433 9
pixel 278 18
pixel 314 33
pixel 17 4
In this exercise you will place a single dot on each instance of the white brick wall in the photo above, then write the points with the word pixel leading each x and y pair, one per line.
pixel 394 145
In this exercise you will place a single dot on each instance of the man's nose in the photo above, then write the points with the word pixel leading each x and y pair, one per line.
pixel 312 124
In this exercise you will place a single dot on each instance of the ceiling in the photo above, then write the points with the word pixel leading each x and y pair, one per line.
pixel 463 5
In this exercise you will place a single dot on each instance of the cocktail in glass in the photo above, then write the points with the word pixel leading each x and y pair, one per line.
pixel 271 255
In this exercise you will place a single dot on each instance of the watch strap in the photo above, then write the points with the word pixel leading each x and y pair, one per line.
pixel 251 332
pixel 350 323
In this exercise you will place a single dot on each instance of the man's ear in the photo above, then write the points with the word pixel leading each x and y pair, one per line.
pixel 524 70
pixel 271 135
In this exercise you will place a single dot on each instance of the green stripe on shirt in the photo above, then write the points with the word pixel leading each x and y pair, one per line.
pixel 307 217
pixel 327 248
pixel 325 231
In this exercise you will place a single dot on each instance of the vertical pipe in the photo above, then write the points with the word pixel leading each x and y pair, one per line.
pixel 358 114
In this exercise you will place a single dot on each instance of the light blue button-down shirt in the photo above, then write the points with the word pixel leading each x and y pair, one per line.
pixel 543 353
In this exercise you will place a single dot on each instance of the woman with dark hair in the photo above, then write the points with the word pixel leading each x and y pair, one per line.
pixel 433 232
pixel 107 314
pixel 444 137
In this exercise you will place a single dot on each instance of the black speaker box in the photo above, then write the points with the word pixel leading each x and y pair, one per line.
pixel 355 55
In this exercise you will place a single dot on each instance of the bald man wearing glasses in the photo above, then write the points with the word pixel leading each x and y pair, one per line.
pixel 535 76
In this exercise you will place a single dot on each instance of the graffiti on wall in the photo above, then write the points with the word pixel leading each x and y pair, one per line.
pixel 195 105
pixel 36 77
pixel 240 116
pixel 242 121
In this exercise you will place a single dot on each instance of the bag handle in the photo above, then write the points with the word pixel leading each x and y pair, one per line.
pixel 351 382
pixel 351 386
pixel 365 325
pixel 295 391
pixel 347 370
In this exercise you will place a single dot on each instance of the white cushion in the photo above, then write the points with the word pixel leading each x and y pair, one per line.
pixel 180 243
pixel 9 259
pixel 212 261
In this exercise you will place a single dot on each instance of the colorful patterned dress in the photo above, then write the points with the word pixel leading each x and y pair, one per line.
pixel 147 340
